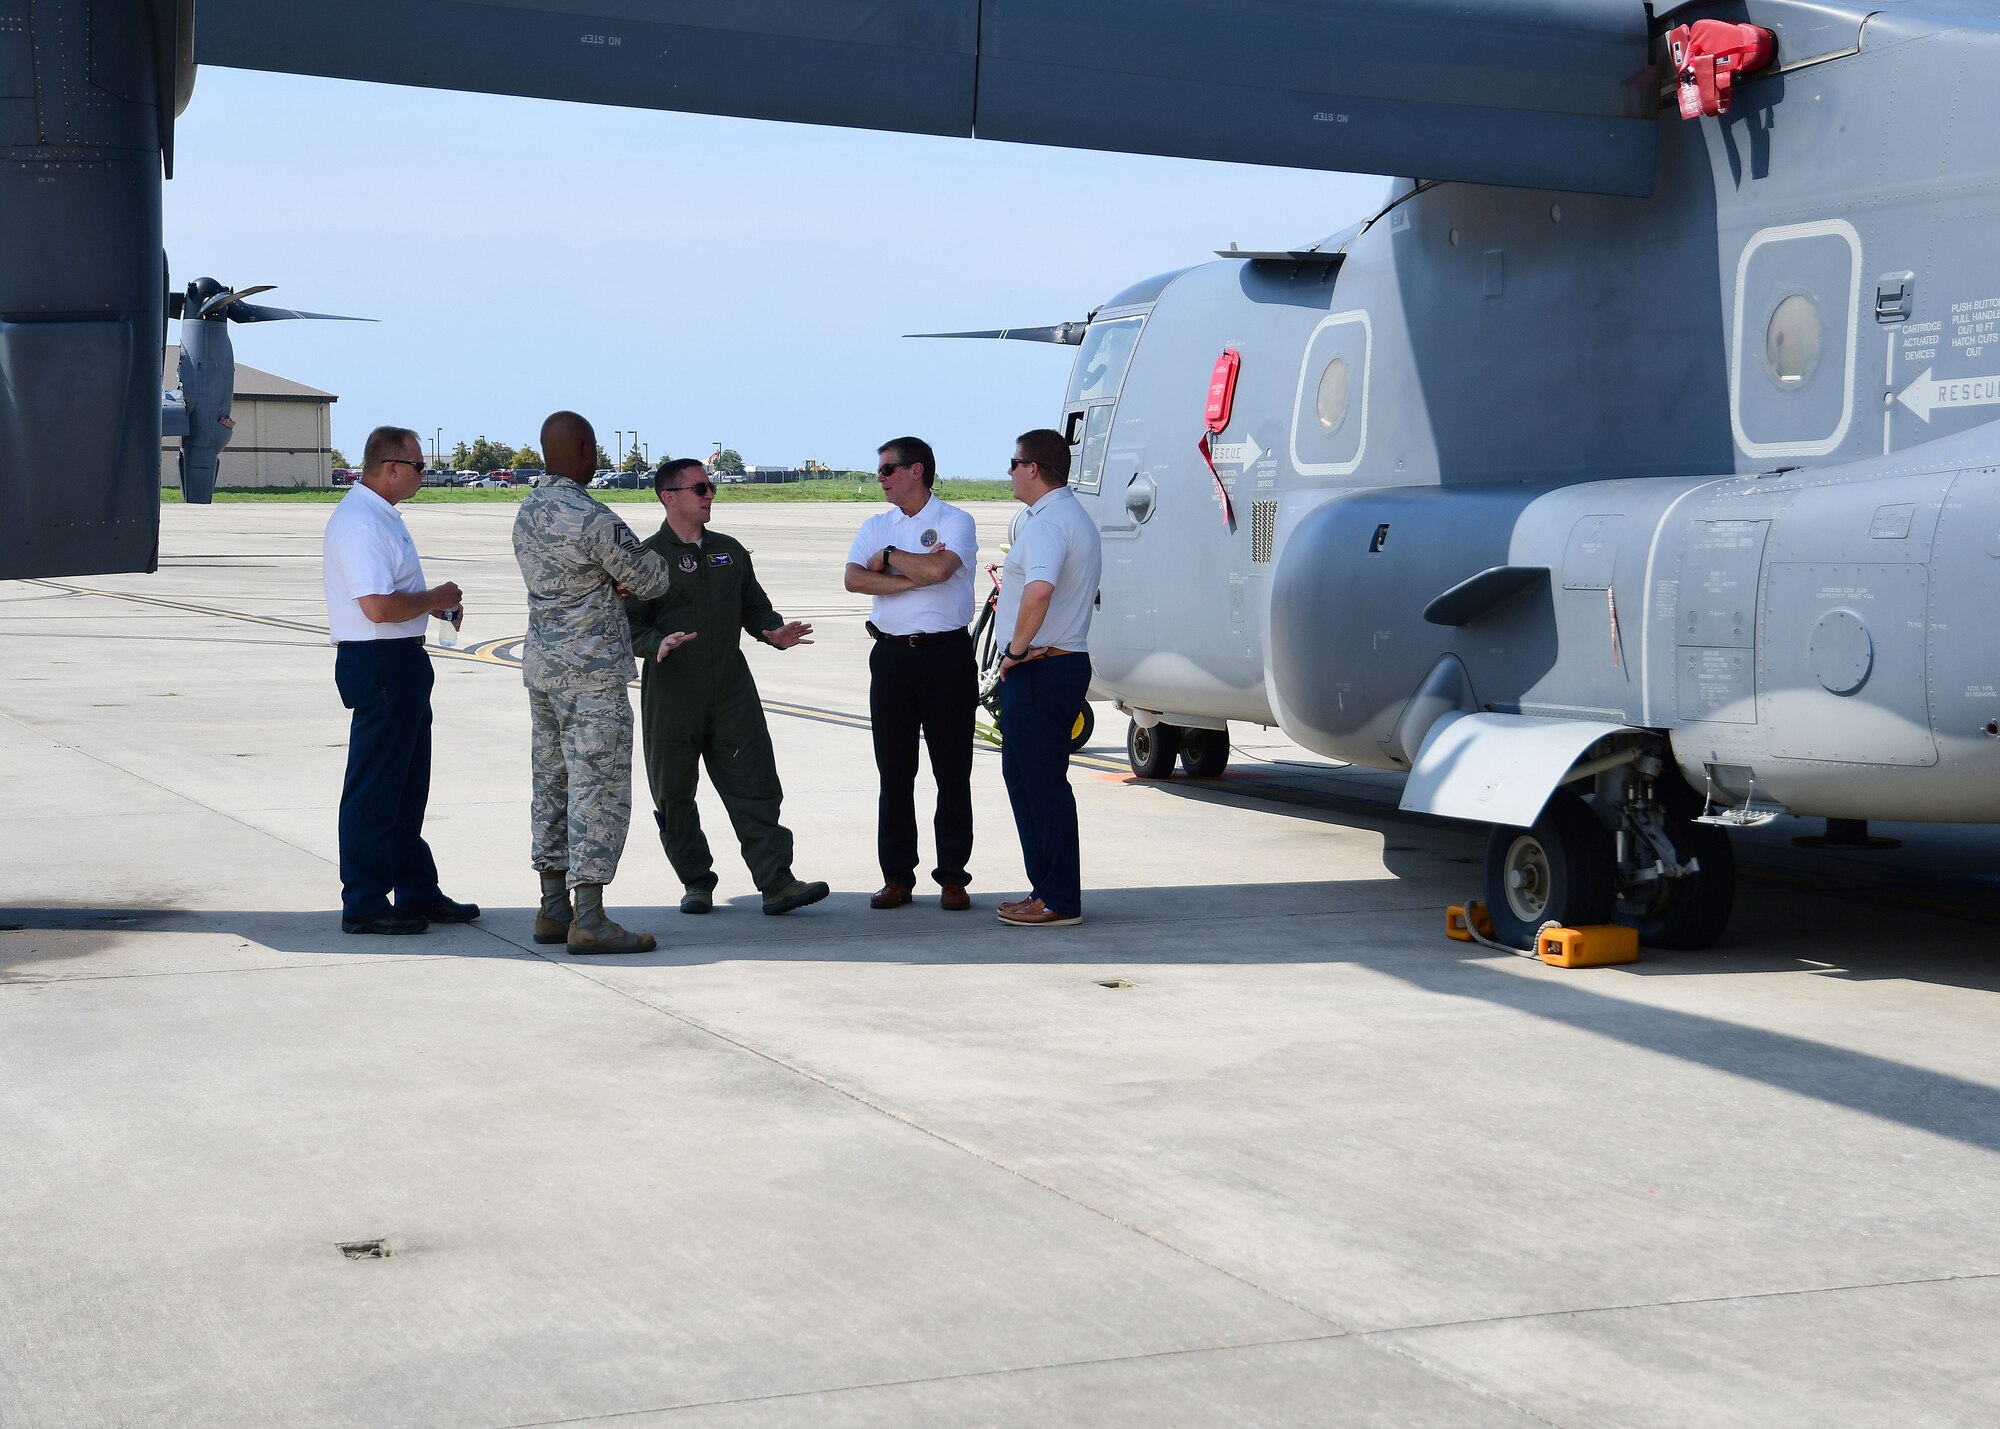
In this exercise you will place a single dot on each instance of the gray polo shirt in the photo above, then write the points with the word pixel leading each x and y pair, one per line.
pixel 1057 543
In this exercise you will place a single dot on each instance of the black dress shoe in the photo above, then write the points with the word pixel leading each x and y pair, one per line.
pixel 390 920
pixel 444 911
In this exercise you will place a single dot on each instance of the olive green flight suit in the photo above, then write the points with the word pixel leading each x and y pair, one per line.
pixel 700 705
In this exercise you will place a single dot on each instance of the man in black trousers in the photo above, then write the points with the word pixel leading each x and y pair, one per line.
pixel 377 609
pixel 916 560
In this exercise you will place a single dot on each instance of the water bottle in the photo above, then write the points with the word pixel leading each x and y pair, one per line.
pixel 447 636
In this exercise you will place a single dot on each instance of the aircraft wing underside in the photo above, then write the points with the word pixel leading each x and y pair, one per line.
pixel 1536 93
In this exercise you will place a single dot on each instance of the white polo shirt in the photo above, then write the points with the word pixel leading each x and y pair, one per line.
pixel 368 551
pixel 939 526
pixel 1057 542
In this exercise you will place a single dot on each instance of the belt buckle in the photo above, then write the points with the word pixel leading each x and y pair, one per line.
pixel 913 641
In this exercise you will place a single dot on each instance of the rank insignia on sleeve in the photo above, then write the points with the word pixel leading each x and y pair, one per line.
pixel 718 558
pixel 688 564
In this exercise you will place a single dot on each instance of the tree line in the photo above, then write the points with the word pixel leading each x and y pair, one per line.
pixel 484 454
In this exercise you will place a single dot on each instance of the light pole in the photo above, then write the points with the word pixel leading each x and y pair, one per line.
pixel 621 447
pixel 649 453
pixel 437 448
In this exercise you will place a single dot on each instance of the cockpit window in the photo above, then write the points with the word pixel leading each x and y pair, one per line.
pixel 1103 358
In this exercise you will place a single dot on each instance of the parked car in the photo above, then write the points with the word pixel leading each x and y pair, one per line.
pixel 602 477
pixel 490 483
pixel 342 476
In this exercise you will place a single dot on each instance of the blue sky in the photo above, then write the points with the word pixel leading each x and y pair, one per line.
pixel 689 277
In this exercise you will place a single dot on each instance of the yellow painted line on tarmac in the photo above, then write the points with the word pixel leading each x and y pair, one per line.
pixel 504 651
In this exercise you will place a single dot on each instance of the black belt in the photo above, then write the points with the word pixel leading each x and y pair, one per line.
pixel 917 641
pixel 388 640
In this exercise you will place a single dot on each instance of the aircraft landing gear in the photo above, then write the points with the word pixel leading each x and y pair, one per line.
pixel 1632 854
pixel 1204 753
pixel 1676 877
pixel 1692 910
pixel 1561 870
pixel 1150 749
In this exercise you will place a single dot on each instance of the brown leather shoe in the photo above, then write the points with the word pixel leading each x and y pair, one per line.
pixel 1015 903
pixel 1035 914
pixel 893 895
pixel 955 899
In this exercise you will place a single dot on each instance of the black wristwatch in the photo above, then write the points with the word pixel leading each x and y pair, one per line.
pixel 1009 653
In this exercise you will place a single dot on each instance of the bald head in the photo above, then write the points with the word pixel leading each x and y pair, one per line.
pixel 569 446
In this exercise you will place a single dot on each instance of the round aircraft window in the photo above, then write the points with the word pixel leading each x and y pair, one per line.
pixel 1791 342
pixel 1332 404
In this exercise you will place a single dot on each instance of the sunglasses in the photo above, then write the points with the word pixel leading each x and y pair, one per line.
pixel 1017 462
pixel 891 467
pixel 699 488
pixel 402 461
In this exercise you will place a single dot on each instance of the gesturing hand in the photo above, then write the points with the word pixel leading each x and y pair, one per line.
pixel 786 636
pixel 671 643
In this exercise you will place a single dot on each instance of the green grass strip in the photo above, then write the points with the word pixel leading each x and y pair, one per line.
pixel 864 492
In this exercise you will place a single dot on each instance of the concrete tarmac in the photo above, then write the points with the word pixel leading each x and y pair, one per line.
pixel 1255 1145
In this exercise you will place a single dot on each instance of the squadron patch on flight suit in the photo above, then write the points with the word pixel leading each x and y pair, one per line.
pixel 718 558
pixel 688 564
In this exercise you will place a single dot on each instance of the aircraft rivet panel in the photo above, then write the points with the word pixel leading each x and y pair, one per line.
pixel 1718 593
pixel 1843 674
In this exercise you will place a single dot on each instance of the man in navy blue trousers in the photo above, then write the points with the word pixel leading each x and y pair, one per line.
pixel 378 608
pixel 1048 589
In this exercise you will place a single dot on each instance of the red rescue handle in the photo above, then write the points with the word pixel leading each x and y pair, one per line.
pixel 1221 398
pixel 1709 54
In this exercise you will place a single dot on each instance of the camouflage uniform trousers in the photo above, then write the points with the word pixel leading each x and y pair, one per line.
pixel 582 750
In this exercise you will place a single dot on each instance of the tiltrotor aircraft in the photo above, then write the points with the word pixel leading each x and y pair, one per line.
pixel 198 410
pixel 1628 474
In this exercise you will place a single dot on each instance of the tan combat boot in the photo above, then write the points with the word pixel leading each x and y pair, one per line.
pixel 553 918
pixel 592 933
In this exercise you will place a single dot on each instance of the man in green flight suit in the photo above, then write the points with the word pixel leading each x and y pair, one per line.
pixel 698 704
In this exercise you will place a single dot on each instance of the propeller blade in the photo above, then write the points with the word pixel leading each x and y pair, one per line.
pixel 1066 334
pixel 222 300
pixel 252 313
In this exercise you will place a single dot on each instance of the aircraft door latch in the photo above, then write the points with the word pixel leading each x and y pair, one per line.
pixel 1709 55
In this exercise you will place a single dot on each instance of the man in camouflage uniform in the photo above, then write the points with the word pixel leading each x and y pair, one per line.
pixel 578 560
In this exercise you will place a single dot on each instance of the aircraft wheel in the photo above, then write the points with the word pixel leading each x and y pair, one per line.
pixel 1083 727
pixel 1562 870
pixel 1151 751
pixel 1687 912
pixel 1204 753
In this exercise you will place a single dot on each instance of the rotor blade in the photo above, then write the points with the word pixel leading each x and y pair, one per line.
pixel 252 313
pixel 222 300
pixel 1067 334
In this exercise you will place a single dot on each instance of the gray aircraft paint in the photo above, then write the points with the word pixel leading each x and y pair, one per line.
pixel 1583 501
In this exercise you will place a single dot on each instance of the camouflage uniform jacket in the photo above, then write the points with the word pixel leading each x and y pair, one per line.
pixel 572 551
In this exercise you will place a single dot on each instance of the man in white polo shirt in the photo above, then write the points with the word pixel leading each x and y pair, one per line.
pixel 377 607
pixel 916 560
pixel 1047 592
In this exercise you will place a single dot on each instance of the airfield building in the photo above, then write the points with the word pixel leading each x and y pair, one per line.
pixel 283 436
